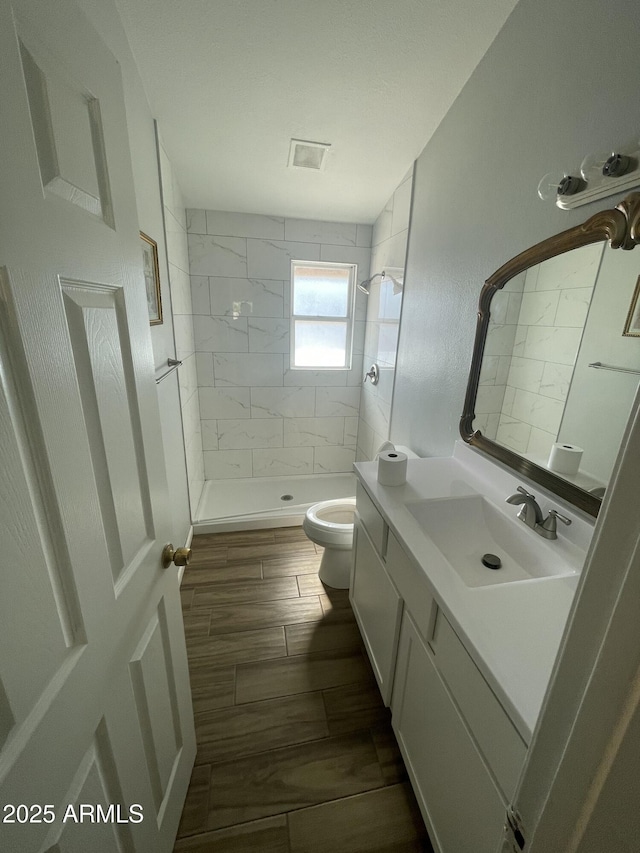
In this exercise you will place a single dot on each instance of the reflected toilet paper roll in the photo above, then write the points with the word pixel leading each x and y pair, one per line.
pixel 392 468
pixel 565 458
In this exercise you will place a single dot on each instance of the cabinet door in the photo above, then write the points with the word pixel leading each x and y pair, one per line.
pixel 459 801
pixel 377 607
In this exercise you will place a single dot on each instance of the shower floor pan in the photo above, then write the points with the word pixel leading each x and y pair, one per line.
pixel 262 502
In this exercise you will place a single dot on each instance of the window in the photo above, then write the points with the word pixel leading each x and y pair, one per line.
pixel 322 297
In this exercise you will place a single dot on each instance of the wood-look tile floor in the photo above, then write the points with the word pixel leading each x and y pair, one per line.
pixel 295 749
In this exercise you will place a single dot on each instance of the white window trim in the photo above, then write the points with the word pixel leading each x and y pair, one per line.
pixel 349 319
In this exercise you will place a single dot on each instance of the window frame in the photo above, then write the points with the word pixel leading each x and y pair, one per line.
pixel 349 319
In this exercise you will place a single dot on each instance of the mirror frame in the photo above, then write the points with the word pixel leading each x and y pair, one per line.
pixel 620 227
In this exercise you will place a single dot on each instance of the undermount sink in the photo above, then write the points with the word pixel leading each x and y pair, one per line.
pixel 465 529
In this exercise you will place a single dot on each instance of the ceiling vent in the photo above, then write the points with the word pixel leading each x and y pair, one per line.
pixel 304 154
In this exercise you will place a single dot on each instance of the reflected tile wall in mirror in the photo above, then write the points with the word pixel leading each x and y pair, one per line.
pixel 547 325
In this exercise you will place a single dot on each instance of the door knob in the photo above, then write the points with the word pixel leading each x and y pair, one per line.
pixel 179 556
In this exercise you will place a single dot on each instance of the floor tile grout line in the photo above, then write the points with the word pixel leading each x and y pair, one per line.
pixel 200 659
pixel 198 563
pixel 217 634
pixel 300 808
pixel 202 563
pixel 214 762
pixel 229 581
pixel 301 693
pixel 302 655
pixel 240 581
pixel 221 634
pixel 266 600
pixel 193 646
pixel 262 627
pixel 377 754
pixel 326 712
pixel 269 699
pixel 194 836
pixel 250 601
pixel 230 662
pixel 208 800
pixel 189 582
pixel 311 741
pixel 286 817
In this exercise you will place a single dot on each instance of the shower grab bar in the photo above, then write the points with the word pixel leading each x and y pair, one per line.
pixel 173 364
pixel 600 366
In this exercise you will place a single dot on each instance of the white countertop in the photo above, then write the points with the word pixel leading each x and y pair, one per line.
pixel 511 630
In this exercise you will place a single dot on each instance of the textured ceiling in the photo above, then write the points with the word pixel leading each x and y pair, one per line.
pixel 231 81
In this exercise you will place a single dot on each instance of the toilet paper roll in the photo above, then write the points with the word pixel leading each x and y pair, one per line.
pixel 392 468
pixel 565 458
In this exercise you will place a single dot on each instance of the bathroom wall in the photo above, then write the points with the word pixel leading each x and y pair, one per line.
pixel 389 248
pixel 260 417
pixel 178 259
pixel 537 102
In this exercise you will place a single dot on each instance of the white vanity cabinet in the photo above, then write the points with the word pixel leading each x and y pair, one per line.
pixel 462 806
pixel 461 749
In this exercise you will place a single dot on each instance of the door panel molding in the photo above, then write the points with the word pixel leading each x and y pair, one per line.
pixel 156 702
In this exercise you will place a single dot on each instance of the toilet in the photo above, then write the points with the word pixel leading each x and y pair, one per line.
pixel 330 525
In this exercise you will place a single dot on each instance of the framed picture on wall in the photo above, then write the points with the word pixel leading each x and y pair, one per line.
pixel 152 279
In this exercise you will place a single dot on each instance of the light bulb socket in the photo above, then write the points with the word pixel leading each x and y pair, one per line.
pixel 570 185
pixel 616 165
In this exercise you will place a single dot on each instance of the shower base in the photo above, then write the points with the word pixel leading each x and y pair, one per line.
pixel 262 502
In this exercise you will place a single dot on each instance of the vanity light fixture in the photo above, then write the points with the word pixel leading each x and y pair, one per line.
pixel 601 175
pixel 558 185
pixel 609 165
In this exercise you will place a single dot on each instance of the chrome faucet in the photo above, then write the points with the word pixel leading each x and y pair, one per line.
pixel 532 515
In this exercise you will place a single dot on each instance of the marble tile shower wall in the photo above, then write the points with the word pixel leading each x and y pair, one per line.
pixel 178 258
pixel 532 346
pixel 389 249
pixel 259 417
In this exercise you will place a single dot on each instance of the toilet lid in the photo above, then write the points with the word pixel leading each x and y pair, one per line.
pixel 337 514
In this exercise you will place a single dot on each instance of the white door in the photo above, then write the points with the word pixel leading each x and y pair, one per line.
pixel 95 708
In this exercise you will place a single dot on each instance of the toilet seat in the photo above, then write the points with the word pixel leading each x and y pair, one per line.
pixel 330 523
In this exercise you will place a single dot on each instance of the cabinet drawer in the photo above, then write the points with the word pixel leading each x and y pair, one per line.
pixel 372 520
pixel 412 586
pixel 495 734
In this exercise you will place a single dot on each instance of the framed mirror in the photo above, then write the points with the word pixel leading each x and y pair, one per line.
pixel 554 369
